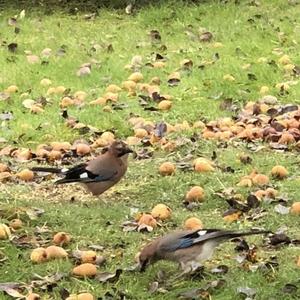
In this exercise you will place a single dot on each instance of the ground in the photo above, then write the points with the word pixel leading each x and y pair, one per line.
pixel 248 41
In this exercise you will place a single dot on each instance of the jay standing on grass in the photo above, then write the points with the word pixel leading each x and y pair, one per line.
pixel 189 248
pixel 99 174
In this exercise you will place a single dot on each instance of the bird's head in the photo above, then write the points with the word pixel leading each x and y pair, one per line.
pixel 143 262
pixel 119 148
pixel 147 256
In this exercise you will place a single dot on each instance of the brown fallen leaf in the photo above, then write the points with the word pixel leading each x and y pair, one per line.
pixel 153 287
pixel 97 247
pixel 83 71
pixel 28 103
pixel 12 21
pixel 25 241
pixel 129 226
pixel 204 292
pixel 206 36
pixel 12 47
pixel 47 282
pixel 34 213
pixel 109 277
pixel 279 238
pixel 155 36
pixel 247 292
pixel 281 209
pixel 289 288
pixel 4 96
pixel 143 154
pixel 11 289
pixel 231 215
pixel 173 82
pixel 46 52
pixel 237 204
pixel 144 228
pixel 222 269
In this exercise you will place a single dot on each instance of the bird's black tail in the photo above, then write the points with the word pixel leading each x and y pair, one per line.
pixel 46 170
pixel 220 235
pixel 238 234
pixel 66 180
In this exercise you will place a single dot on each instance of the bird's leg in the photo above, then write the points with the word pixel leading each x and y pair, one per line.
pixel 197 270
pixel 196 266
pixel 186 269
pixel 193 269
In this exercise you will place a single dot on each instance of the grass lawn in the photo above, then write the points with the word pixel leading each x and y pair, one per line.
pixel 249 39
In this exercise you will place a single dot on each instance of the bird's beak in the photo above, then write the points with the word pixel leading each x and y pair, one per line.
pixel 143 266
pixel 128 150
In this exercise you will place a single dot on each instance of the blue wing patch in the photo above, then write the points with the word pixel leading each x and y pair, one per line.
pixel 102 177
pixel 189 239
pixel 185 243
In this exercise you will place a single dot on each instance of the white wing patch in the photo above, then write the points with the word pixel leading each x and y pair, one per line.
pixel 64 170
pixel 84 175
pixel 202 232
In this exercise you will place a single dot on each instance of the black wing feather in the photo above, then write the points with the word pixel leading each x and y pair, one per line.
pixel 194 238
pixel 187 240
pixel 73 175
pixel 75 172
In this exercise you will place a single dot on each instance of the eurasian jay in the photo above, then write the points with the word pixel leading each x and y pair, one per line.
pixel 99 174
pixel 189 248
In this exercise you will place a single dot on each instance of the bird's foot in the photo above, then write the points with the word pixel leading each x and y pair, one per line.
pixel 189 270
pixel 198 272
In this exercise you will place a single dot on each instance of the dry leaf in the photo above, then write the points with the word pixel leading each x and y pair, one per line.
pixel 11 289
pixel 109 277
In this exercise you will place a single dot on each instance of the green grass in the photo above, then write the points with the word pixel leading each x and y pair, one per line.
pixel 256 30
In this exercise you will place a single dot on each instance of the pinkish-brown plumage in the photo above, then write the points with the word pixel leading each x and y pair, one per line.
pixel 189 248
pixel 99 174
